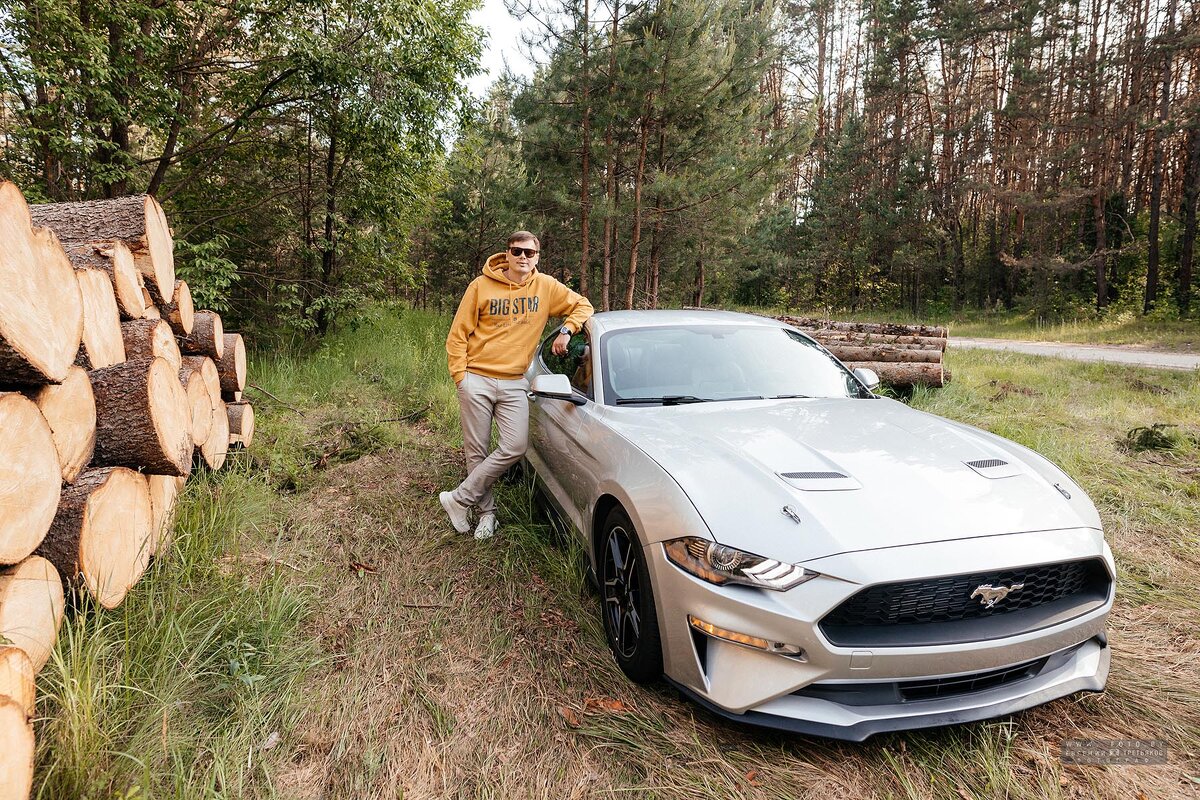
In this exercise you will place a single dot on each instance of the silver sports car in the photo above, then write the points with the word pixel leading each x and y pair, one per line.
pixel 791 550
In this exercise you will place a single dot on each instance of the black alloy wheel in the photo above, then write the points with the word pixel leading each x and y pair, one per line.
pixel 627 600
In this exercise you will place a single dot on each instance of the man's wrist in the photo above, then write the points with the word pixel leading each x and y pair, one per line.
pixel 564 331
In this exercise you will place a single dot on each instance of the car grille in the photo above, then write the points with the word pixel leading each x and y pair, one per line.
pixel 943 611
pixel 966 684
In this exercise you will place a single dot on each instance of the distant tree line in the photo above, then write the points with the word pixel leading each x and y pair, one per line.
pixel 892 153
pixel 291 143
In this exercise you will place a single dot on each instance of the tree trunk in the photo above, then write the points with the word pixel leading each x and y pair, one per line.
pixel 150 337
pixel 101 535
pixel 828 335
pixel 1191 190
pixel 115 259
pixel 216 446
pixel 41 314
pixel 585 200
pixel 30 476
pixel 884 353
pixel 138 221
pixel 241 423
pixel 164 496
pixel 31 608
pixel 102 345
pixel 207 337
pixel 69 409
pixel 142 418
pixel 897 374
pixel 1156 178
pixel 179 311
pixel 886 328
pixel 16 680
pixel 200 400
pixel 232 366
pixel 16 750
pixel 639 176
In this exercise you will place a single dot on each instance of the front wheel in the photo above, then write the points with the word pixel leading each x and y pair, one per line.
pixel 627 600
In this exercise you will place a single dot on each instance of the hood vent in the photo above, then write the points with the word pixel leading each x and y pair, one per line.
pixel 812 476
pixel 820 481
pixel 993 467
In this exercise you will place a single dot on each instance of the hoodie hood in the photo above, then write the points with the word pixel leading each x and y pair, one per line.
pixel 495 266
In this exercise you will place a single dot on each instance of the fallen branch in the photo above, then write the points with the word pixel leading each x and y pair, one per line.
pixel 257 388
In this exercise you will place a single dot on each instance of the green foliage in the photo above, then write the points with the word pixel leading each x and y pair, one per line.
pixel 209 274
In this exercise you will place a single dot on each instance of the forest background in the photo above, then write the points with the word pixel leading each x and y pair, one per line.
pixel 926 156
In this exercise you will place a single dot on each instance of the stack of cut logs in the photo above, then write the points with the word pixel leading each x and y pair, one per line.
pixel 902 355
pixel 111 387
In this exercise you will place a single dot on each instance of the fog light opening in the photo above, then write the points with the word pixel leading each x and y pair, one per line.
pixel 794 651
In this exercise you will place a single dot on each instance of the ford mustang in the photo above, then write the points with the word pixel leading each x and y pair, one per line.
pixel 790 549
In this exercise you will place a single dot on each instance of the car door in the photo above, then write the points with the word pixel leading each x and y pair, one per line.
pixel 565 437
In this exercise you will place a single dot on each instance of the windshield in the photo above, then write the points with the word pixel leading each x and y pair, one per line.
pixel 668 366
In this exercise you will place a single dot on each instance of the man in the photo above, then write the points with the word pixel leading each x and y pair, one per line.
pixel 491 343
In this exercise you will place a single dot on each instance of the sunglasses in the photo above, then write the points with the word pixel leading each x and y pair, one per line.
pixel 528 252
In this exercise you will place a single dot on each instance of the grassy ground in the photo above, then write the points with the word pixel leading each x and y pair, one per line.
pixel 1115 328
pixel 320 632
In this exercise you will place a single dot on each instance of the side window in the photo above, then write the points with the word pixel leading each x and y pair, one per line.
pixel 576 364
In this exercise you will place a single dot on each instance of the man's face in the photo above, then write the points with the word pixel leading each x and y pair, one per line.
pixel 522 258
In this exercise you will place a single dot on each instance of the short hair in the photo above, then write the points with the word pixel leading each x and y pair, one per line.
pixel 524 236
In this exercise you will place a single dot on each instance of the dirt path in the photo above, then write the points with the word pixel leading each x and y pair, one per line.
pixel 1132 355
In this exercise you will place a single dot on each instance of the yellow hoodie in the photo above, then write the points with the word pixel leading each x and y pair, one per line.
pixel 498 322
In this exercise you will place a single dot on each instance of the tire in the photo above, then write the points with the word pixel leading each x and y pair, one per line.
pixel 627 600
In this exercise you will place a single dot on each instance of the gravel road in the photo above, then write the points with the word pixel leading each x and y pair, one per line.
pixel 1123 354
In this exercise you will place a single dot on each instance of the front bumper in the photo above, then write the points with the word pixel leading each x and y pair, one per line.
pixel 811 694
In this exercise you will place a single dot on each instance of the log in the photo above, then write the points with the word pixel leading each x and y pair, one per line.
pixel 178 311
pixel 70 410
pixel 102 345
pixel 164 496
pixel 114 259
pixel 142 418
pixel 886 328
pixel 232 366
pixel 101 534
pixel 16 751
pixel 200 402
pixel 30 477
pixel 152 313
pixel 216 446
pixel 896 374
pixel 825 335
pixel 137 221
pixel 151 337
pixel 231 397
pixel 41 314
pixel 241 423
pixel 31 608
pixel 884 353
pixel 207 337
pixel 16 678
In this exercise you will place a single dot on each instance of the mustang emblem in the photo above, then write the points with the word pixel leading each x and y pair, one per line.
pixel 990 595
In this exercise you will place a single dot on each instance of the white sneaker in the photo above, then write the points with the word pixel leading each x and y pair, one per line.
pixel 456 511
pixel 486 528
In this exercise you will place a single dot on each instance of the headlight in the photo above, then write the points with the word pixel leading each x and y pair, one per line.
pixel 718 563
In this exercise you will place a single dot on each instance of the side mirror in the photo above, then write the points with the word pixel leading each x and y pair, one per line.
pixel 868 377
pixel 555 387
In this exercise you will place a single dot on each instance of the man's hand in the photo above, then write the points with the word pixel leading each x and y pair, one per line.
pixel 559 348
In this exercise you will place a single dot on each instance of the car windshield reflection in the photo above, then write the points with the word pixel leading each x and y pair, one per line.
pixel 718 363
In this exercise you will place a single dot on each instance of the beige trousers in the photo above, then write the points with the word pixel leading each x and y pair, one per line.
pixel 480 401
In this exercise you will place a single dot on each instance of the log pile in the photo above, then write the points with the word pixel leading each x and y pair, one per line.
pixel 902 355
pixel 113 388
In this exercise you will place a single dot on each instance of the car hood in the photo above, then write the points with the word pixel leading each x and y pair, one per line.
pixel 854 475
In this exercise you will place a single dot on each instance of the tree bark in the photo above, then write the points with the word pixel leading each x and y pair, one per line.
pixel 1158 133
pixel 101 534
pixel 144 338
pixel 884 353
pixel 885 328
pixel 585 200
pixel 207 337
pixel 41 314
pixel 826 335
pixel 142 418
pixel 1191 190
pixel 137 221
pixel 69 409
pixel 30 476
pixel 901 375
pixel 31 608
pixel 636 238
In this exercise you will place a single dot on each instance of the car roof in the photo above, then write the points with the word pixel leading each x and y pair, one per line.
pixel 607 321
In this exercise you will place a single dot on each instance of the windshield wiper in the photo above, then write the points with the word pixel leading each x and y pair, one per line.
pixel 668 400
pixel 792 397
